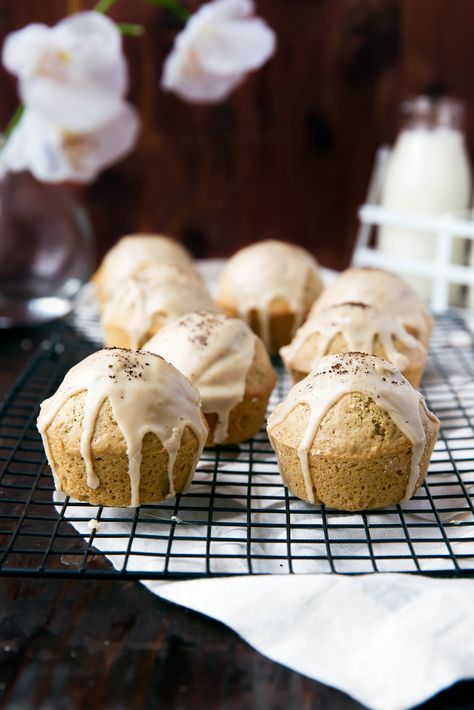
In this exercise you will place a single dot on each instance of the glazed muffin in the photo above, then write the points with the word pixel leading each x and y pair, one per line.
pixel 229 365
pixel 149 299
pixel 354 434
pixel 124 428
pixel 386 291
pixel 271 285
pixel 354 327
pixel 131 254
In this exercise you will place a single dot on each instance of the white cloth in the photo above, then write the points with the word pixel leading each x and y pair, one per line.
pixel 389 640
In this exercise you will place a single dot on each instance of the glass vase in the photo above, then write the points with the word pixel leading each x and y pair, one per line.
pixel 46 250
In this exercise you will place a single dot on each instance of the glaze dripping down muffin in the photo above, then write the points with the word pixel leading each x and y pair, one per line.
pixel 271 285
pixel 133 253
pixel 388 292
pixel 354 434
pixel 229 365
pixel 354 327
pixel 143 303
pixel 123 428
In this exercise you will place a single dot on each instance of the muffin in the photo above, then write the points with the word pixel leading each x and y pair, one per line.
pixel 354 327
pixel 144 302
pixel 124 428
pixel 354 434
pixel 384 290
pixel 271 285
pixel 229 365
pixel 131 254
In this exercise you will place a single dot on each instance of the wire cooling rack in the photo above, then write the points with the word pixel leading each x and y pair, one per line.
pixel 237 518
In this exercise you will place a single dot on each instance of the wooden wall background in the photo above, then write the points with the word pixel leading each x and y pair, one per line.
pixel 290 154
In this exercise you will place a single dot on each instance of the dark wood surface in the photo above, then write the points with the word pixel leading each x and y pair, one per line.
pixel 289 154
pixel 99 644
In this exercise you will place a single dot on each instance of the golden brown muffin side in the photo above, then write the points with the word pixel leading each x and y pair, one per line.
pixel 110 460
pixel 359 458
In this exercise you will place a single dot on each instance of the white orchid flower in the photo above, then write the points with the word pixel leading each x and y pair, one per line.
pixel 73 74
pixel 53 154
pixel 219 45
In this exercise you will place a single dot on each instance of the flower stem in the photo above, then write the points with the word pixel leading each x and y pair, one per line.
pixel 104 6
pixel 13 122
pixel 130 28
pixel 125 28
pixel 174 6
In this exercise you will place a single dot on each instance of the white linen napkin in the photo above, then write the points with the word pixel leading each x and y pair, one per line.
pixel 390 641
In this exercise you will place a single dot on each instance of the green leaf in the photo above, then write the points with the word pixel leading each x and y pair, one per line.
pixel 173 6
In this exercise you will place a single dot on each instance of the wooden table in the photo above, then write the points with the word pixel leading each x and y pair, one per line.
pixel 112 644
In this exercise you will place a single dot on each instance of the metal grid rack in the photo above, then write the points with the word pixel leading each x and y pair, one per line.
pixel 238 518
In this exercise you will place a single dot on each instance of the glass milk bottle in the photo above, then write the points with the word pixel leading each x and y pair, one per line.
pixel 470 292
pixel 428 172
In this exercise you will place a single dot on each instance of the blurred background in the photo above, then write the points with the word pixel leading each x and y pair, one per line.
pixel 289 155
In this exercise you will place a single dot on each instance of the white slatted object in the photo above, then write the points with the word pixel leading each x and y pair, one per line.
pixel 444 229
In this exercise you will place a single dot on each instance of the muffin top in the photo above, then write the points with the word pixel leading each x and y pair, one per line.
pixel 146 394
pixel 360 325
pixel 136 251
pixel 382 289
pixel 268 272
pixel 376 379
pixel 216 353
pixel 166 290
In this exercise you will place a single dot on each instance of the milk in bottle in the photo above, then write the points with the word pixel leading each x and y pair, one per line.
pixel 428 172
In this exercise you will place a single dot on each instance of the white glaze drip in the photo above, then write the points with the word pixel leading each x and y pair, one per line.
pixel 386 291
pixel 146 394
pixel 166 290
pixel 215 353
pixel 265 272
pixel 359 324
pixel 342 374
pixel 134 252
